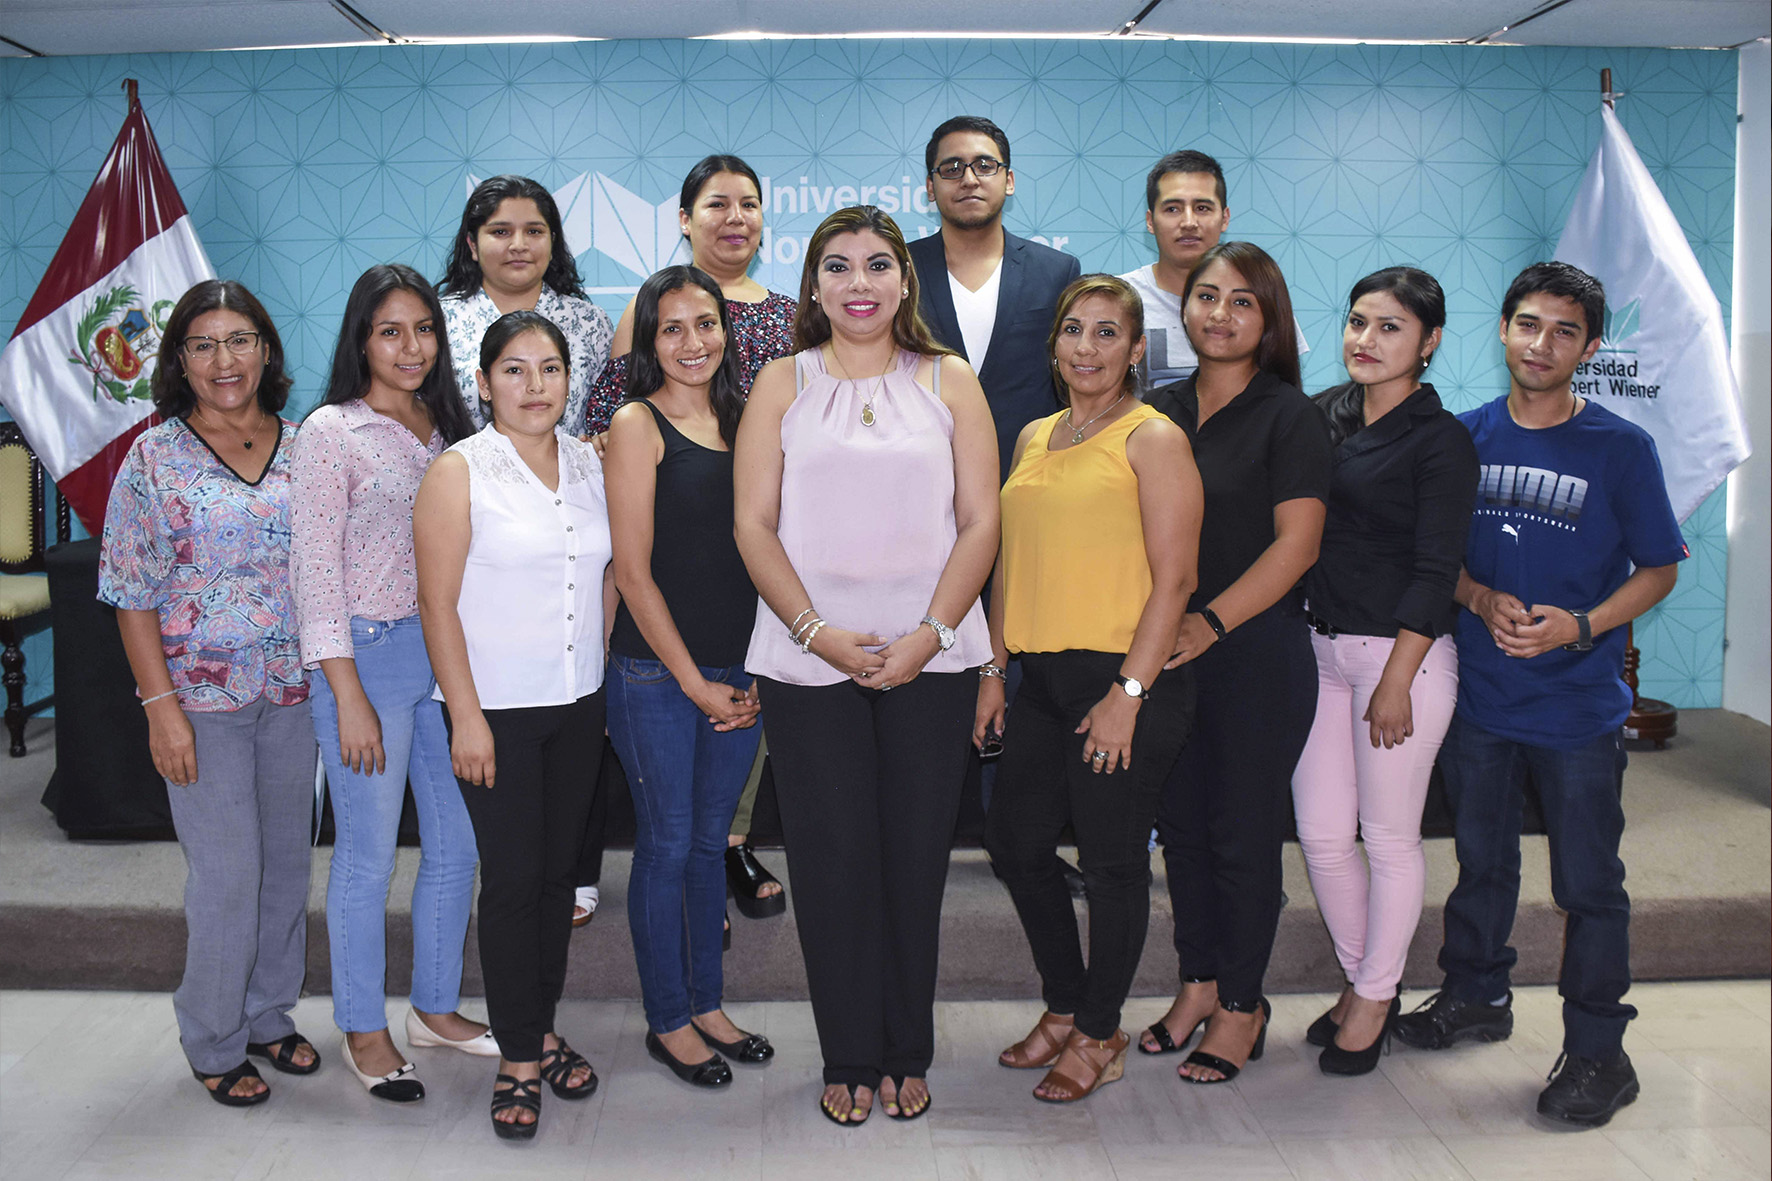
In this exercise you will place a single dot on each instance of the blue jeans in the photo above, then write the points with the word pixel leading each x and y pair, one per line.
pixel 396 676
pixel 686 778
pixel 1583 815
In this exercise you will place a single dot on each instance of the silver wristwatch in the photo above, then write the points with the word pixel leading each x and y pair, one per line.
pixel 944 635
pixel 1133 687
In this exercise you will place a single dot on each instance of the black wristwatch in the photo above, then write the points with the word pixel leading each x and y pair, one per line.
pixel 1133 687
pixel 1584 641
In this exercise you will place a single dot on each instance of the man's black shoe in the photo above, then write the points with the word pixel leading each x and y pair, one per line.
pixel 1587 1091
pixel 1073 879
pixel 1443 1020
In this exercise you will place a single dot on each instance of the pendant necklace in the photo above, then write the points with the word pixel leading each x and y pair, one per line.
pixel 1077 431
pixel 867 402
pixel 247 441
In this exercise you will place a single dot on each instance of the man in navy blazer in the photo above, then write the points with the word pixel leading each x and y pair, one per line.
pixel 986 293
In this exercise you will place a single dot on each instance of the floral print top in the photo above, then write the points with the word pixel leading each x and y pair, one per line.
pixel 354 476
pixel 187 537
pixel 586 327
pixel 764 331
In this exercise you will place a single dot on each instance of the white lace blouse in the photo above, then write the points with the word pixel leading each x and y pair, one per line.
pixel 532 592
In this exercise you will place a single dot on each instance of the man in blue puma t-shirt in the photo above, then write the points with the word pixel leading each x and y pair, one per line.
pixel 1572 538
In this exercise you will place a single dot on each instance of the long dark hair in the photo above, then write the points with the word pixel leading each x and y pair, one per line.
pixel 812 327
pixel 1420 294
pixel 350 361
pixel 646 375
pixel 462 277
pixel 1277 354
pixel 506 329
pixel 173 396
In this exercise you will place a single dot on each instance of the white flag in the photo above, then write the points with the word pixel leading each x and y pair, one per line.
pixel 1664 360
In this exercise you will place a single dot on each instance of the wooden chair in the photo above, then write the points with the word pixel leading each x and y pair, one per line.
pixel 24 588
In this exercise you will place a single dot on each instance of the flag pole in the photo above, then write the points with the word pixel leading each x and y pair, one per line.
pixel 1650 720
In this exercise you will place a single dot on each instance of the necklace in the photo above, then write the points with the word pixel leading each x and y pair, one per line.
pixel 1077 431
pixel 247 441
pixel 867 401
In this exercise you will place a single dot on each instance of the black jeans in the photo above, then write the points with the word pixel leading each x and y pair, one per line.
pixel 869 788
pixel 528 827
pixel 1042 784
pixel 1223 813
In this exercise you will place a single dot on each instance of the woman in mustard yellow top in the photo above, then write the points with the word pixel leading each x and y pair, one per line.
pixel 1101 524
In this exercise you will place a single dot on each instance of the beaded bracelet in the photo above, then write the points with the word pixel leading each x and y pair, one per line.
pixel 811 630
pixel 794 626
pixel 158 696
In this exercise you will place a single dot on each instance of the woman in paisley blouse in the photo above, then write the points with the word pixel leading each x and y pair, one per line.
pixel 510 255
pixel 196 560
pixel 721 215
pixel 389 409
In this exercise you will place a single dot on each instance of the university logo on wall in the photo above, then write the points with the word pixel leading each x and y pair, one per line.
pixel 115 342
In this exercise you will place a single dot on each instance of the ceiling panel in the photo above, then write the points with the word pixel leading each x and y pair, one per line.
pixel 1415 20
pixel 1651 23
pixel 61 27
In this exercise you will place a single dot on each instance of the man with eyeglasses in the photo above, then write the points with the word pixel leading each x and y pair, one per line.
pixel 986 293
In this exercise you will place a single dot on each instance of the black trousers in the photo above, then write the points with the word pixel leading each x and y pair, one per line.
pixel 869 788
pixel 1043 783
pixel 529 826
pixel 1222 817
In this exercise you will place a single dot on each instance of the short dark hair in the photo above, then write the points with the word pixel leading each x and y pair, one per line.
pixel 1188 161
pixel 976 123
pixel 463 277
pixel 812 327
pixel 350 362
pixel 706 169
pixel 173 396
pixel 1277 352
pixel 506 329
pixel 1081 288
pixel 1559 278
pixel 646 375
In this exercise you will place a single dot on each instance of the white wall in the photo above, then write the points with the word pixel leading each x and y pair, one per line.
pixel 1747 661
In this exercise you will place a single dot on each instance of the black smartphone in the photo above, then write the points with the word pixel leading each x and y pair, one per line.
pixel 993 743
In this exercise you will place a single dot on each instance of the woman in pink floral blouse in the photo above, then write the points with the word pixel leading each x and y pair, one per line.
pixel 390 408
pixel 196 561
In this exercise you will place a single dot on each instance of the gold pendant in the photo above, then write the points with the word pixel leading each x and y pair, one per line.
pixel 867 415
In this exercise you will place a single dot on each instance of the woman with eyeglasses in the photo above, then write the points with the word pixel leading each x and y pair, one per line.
pixel 720 213
pixel 195 559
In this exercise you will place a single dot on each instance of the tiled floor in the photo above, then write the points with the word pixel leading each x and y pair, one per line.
pixel 93 1085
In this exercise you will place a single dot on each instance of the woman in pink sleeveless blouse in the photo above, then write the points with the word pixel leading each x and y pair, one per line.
pixel 866 491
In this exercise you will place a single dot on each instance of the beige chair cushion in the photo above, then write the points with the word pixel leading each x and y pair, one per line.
pixel 16 542
pixel 23 594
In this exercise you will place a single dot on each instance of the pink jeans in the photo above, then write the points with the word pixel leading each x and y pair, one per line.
pixel 1344 784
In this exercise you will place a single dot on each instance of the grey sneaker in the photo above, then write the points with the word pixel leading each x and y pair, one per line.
pixel 1443 1020
pixel 1587 1091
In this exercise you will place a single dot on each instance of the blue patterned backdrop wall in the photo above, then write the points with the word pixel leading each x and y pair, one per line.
pixel 303 167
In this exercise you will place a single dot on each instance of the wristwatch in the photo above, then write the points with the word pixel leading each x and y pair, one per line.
pixel 1133 686
pixel 944 635
pixel 1584 641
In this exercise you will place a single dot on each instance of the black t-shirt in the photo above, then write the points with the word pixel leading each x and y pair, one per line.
pixel 1269 444
pixel 1399 515
pixel 695 558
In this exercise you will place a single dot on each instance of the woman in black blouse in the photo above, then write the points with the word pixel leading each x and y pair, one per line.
pixel 1264 456
pixel 1380 603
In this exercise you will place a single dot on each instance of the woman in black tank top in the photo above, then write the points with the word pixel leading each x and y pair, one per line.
pixel 682 712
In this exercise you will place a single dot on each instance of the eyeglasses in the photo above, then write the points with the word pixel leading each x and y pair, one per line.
pixel 983 168
pixel 202 348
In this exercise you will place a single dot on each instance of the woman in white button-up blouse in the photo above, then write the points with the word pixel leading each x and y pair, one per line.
pixel 512 537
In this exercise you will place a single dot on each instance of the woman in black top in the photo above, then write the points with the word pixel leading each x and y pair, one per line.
pixel 1380 603
pixel 1264 457
pixel 682 711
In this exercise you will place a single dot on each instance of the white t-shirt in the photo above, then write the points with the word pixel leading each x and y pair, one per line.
pixel 531 602
pixel 977 313
pixel 1168 356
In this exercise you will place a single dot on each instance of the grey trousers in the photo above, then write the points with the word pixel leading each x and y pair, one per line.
pixel 243 826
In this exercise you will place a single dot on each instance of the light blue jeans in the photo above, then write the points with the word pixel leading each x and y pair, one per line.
pixel 396 674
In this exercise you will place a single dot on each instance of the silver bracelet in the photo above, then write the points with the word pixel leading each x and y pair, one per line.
pixel 158 696
pixel 811 630
pixel 806 627
pixel 991 670
pixel 794 626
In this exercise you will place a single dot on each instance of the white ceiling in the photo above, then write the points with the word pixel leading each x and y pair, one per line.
pixel 64 27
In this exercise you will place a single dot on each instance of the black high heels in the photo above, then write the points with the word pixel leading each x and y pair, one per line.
pixel 1335 1060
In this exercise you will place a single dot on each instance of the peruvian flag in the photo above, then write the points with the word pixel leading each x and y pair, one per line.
pixel 76 373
